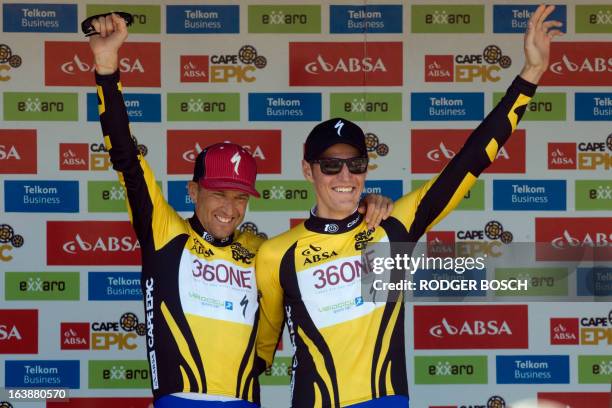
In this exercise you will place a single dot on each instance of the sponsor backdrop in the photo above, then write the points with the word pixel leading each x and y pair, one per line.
pixel 417 76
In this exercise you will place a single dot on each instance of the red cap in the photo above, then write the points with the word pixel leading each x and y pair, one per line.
pixel 226 166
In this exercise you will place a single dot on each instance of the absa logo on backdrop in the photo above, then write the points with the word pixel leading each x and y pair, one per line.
pixel 18 153
pixel 574 239
pixel 91 243
pixel 579 64
pixel 432 149
pixel 345 64
pixel 18 331
pixel 70 63
pixel 471 327
pixel 185 145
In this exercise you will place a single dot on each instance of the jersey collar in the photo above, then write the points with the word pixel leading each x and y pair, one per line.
pixel 199 229
pixel 329 226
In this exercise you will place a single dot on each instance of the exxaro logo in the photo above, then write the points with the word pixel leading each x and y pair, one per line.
pixel 8 241
pixel 467 67
pixel 8 60
pixel 601 18
pixel 36 105
pixel 223 68
pixel 119 373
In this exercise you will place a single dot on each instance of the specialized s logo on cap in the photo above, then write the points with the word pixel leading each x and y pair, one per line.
pixel 236 161
pixel 338 126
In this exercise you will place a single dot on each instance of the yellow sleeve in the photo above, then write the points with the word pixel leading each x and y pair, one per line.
pixel 271 312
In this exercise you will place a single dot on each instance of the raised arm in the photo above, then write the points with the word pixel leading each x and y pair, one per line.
pixel 426 206
pixel 143 193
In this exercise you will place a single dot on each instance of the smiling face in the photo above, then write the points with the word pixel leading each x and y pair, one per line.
pixel 220 211
pixel 338 194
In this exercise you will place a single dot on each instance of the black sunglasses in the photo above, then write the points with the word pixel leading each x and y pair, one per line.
pixel 333 165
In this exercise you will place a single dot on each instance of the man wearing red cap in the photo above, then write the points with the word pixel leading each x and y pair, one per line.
pixel 350 352
pixel 197 274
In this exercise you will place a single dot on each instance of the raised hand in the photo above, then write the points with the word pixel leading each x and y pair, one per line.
pixel 538 37
pixel 105 46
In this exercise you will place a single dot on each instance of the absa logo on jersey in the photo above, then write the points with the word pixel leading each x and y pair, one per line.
pixel 69 63
pixel 91 243
pixel 345 64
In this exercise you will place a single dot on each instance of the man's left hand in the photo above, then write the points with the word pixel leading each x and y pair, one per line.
pixel 376 208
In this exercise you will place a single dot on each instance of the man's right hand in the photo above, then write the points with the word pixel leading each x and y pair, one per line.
pixel 105 46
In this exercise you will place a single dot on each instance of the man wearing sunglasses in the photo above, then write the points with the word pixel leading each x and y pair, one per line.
pixel 349 352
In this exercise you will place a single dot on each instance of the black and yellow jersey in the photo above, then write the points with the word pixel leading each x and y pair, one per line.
pixel 200 293
pixel 348 350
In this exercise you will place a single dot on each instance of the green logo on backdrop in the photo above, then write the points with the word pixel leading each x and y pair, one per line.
pixel 213 107
pixel 445 18
pixel 42 285
pixel 594 19
pixel 595 369
pixel 474 200
pixel 146 17
pixel 119 374
pixel 283 195
pixel 543 106
pixel 593 195
pixel 279 373
pixel 366 106
pixel 43 106
pixel 450 370
pixel 297 18
pixel 107 196
pixel 540 281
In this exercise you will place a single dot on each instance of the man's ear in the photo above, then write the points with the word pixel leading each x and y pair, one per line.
pixel 307 171
pixel 193 189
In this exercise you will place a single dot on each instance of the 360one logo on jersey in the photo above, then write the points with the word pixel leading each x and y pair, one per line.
pixel 91 243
